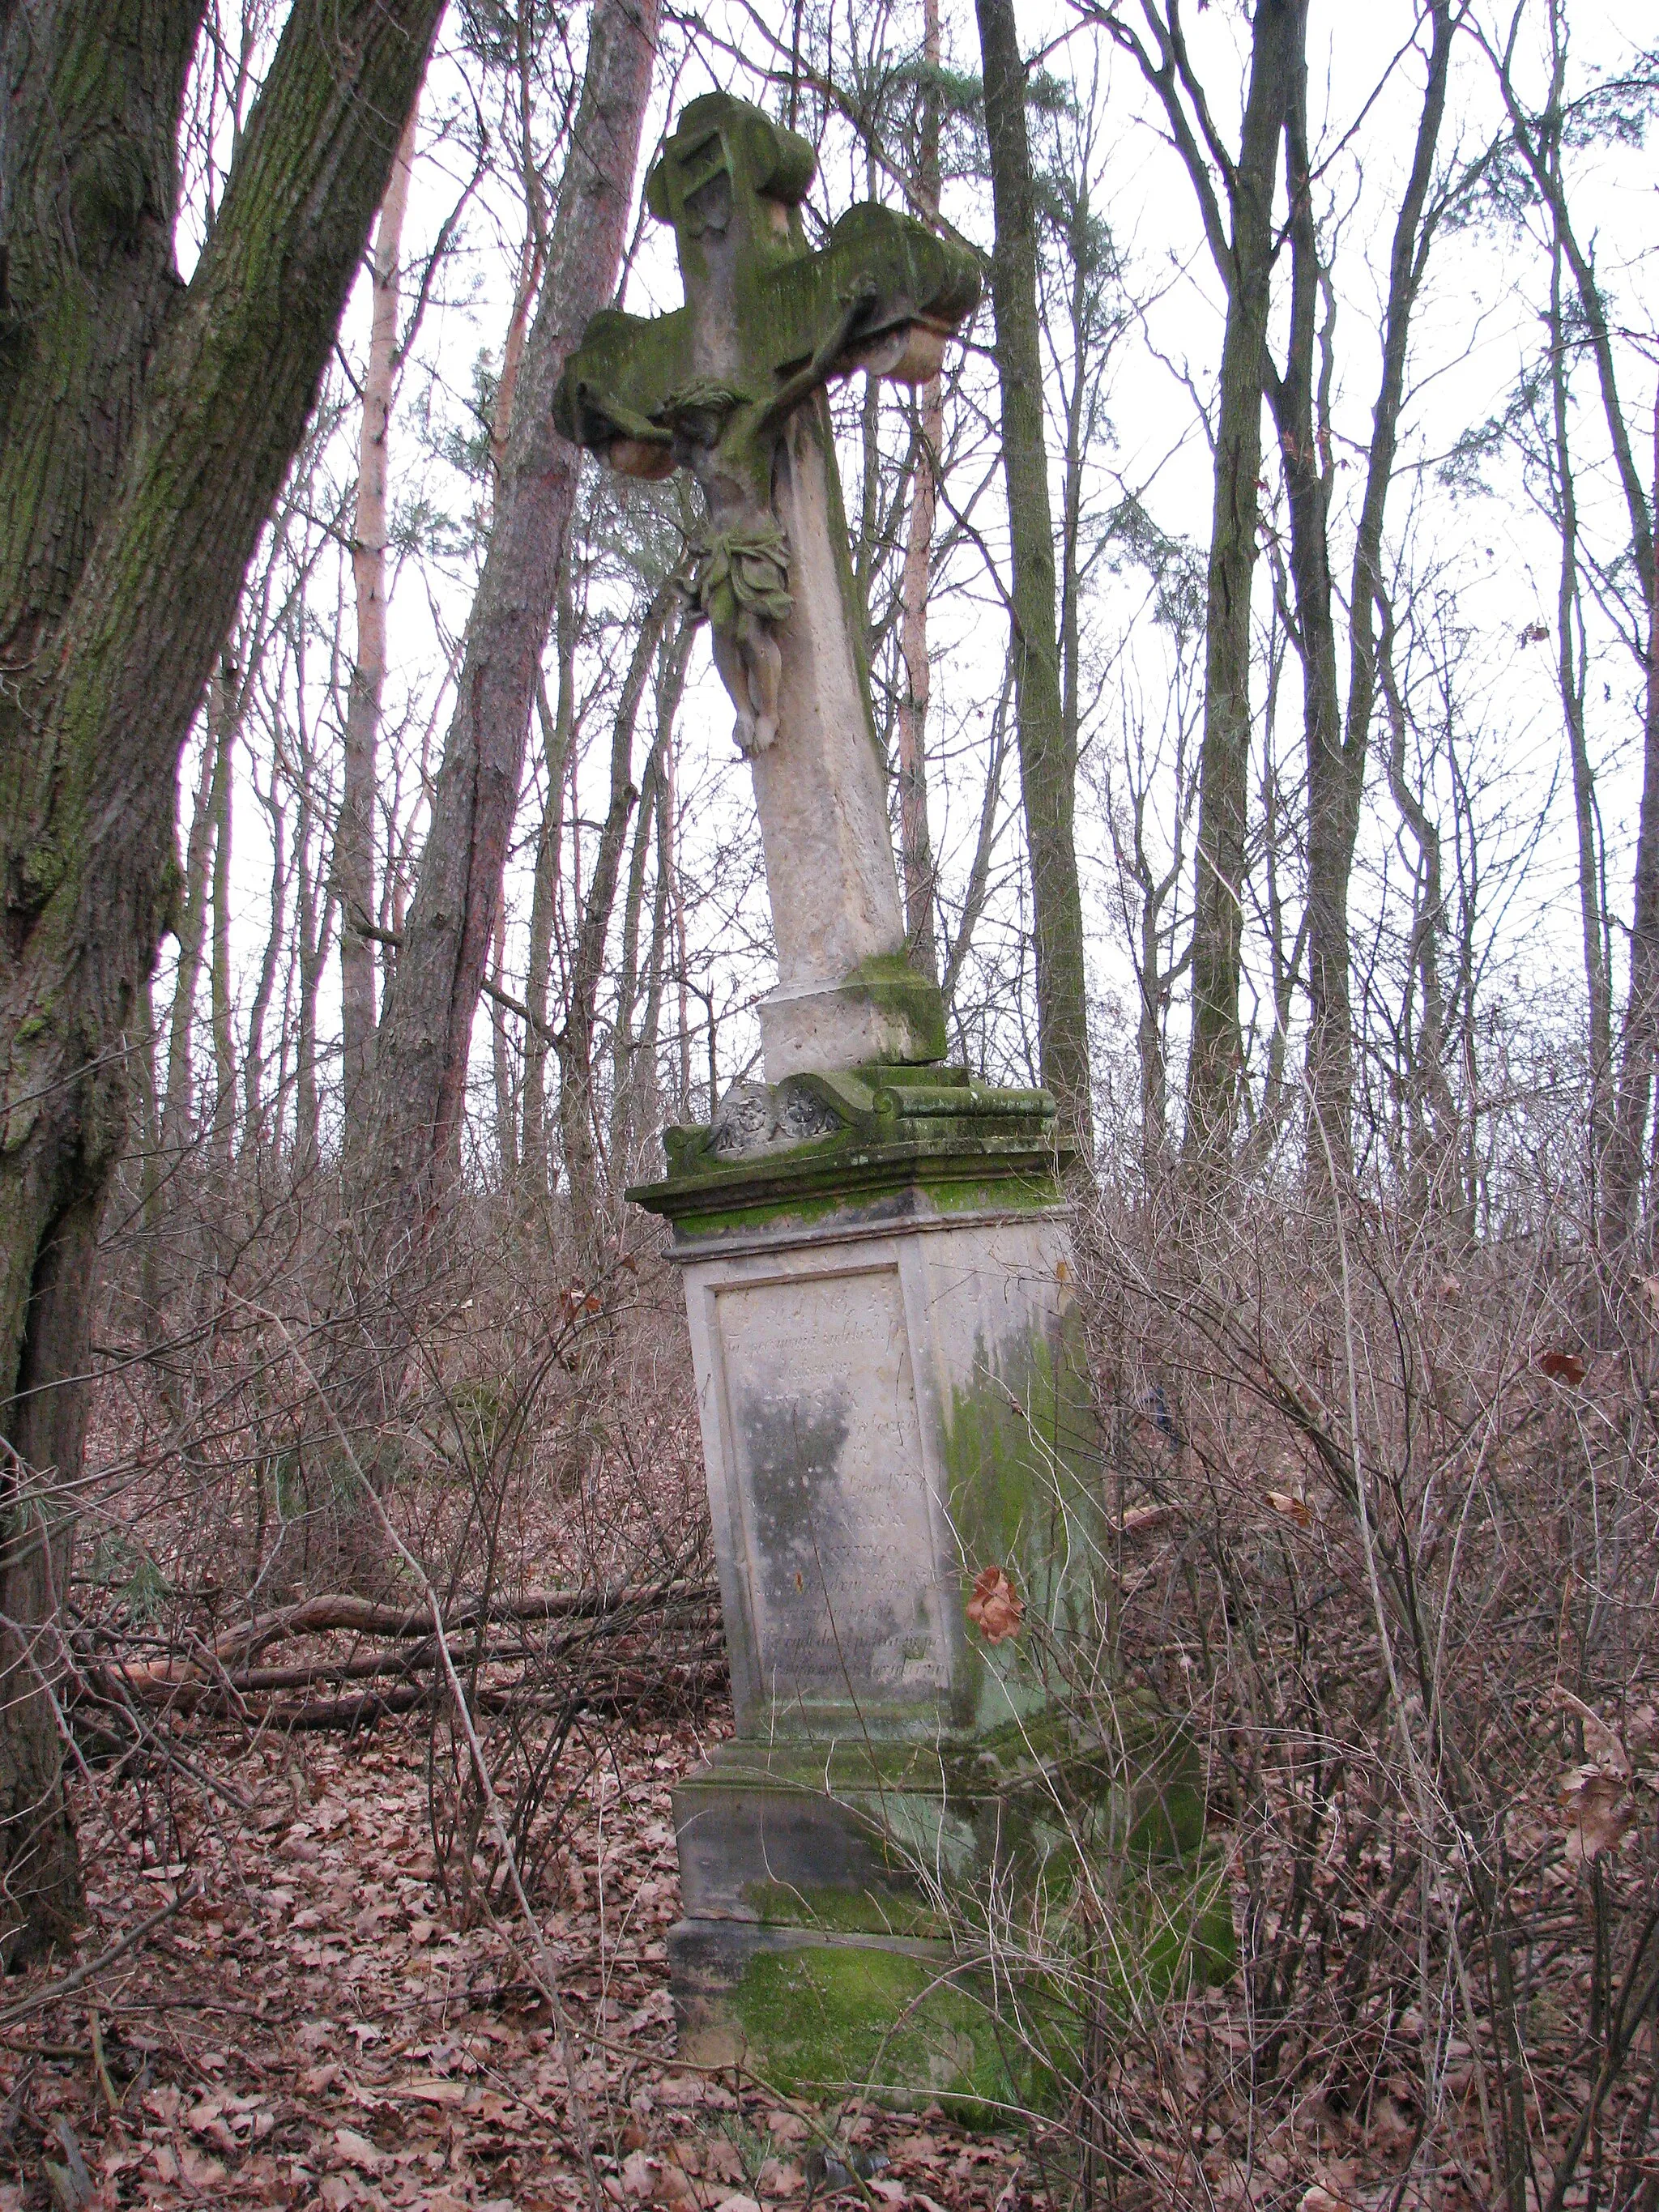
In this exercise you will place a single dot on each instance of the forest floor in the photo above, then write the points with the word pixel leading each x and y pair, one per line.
pixel 313 2024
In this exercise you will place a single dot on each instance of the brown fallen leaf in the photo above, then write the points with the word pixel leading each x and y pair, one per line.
pixel 1599 1812
pixel 1294 1509
pixel 357 2150
pixel 1563 1367
pixel 1601 1744
pixel 640 2174
pixel 1140 1519
pixel 995 1608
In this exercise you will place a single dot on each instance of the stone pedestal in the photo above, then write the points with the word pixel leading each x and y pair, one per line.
pixel 892 1396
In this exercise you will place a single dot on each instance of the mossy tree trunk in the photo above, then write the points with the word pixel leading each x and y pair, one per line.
pixel 1047 760
pixel 145 427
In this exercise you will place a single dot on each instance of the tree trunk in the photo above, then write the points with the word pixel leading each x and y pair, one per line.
pixel 1537 142
pixel 1215 1062
pixel 353 836
pixel 145 428
pixel 557 727
pixel 1570 668
pixel 1337 752
pixel 916 838
pixel 221 1008
pixel 1047 764
pixel 500 1051
pixel 632 1101
pixel 573 1040
pixel 190 930
pixel 403 1153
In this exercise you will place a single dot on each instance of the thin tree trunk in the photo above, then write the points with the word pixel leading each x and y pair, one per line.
pixel 1537 142
pixel 1048 763
pixel 627 1051
pixel 1337 751
pixel 354 839
pixel 1570 663
pixel 557 729
pixel 253 1108
pixel 403 1153
pixel 916 838
pixel 220 1007
pixel 575 1038
pixel 1215 1062
pixel 507 1104
pixel 145 428
pixel 1640 1039
pixel 1431 1116
pixel 178 1096
pixel 979 873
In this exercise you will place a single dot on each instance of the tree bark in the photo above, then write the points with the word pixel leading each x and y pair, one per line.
pixel 221 1008
pixel 1047 764
pixel 353 836
pixel 916 838
pixel 1215 1062
pixel 1336 748
pixel 145 427
pixel 557 728
pixel 403 1153
pixel 1537 142
pixel 573 1039
pixel 1242 247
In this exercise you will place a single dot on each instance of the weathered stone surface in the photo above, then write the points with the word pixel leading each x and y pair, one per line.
pixel 730 386
pixel 864 1460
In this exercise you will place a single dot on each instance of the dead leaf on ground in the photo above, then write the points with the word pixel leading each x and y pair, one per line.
pixel 1601 1744
pixel 1563 1367
pixel 1141 1520
pixel 1599 1813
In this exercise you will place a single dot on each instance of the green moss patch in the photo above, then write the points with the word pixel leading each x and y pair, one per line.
pixel 904 2028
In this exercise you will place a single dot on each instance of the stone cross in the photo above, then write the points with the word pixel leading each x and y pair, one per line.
pixel 730 387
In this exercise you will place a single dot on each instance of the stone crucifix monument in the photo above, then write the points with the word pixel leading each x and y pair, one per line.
pixel 896 1420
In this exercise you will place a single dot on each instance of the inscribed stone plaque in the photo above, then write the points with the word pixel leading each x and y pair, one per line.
pixel 837 1537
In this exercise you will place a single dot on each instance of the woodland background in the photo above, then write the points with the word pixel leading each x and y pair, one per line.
pixel 1265 631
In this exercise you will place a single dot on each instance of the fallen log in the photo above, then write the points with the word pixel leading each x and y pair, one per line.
pixel 699 1676
pixel 339 1611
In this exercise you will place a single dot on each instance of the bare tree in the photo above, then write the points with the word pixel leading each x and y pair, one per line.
pixel 354 835
pixel 132 508
pixel 1048 762
pixel 404 1149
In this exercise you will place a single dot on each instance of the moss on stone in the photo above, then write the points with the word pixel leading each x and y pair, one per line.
pixel 906 2028
pixel 845 1911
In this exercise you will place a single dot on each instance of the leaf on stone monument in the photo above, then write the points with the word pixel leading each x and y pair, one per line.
pixel 994 1609
pixel 1293 1508
pixel 1563 1367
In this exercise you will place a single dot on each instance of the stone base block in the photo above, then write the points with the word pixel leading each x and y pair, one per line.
pixel 831 1891
pixel 883 1013
pixel 816 2014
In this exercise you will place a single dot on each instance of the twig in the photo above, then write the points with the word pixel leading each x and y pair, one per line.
pixel 98 2066
pixel 575 2099
pixel 12 2013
